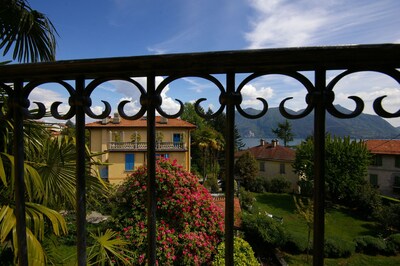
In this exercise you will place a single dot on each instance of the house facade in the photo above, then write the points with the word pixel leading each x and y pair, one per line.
pixel 274 160
pixel 124 143
pixel 384 170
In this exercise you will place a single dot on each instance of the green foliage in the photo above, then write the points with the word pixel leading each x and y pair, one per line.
pixel 246 169
pixel 367 200
pixel 284 132
pixel 246 199
pixel 393 244
pixel 388 216
pixel 279 185
pixel 296 243
pixel 263 231
pixel 338 248
pixel 243 254
pixel 346 166
pixel 370 245
pixel 107 249
pixel 30 32
pixel 212 184
pixel 259 185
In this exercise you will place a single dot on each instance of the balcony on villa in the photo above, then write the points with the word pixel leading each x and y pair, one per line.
pixel 142 146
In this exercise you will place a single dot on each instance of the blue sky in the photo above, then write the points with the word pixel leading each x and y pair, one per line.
pixel 113 28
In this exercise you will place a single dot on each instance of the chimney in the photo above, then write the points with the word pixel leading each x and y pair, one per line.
pixel 116 118
pixel 275 142
pixel 163 120
pixel 104 121
pixel 262 142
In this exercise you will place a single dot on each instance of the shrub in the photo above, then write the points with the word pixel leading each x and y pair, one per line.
pixel 295 244
pixel 366 200
pixel 279 185
pixel 393 244
pixel 257 185
pixel 261 230
pixel 306 187
pixel 370 245
pixel 338 248
pixel 243 254
pixel 246 199
pixel 212 184
pixel 389 216
pixel 189 223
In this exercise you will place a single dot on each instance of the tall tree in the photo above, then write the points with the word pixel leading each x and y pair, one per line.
pixel 29 32
pixel 246 169
pixel 284 132
pixel 346 164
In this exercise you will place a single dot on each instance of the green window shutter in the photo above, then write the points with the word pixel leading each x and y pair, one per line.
pixel 262 167
pixel 377 160
pixel 282 169
pixel 373 180
pixel 397 161
pixel 397 181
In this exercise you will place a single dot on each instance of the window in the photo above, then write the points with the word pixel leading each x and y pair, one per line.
pixel 377 160
pixel 396 181
pixel 282 169
pixel 373 180
pixel 397 161
pixel 262 166
pixel 104 172
pixel 162 155
pixel 177 137
pixel 129 161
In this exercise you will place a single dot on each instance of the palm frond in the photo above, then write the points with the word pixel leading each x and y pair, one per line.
pixel 108 247
pixel 30 32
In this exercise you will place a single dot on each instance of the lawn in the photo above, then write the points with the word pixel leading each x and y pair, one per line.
pixel 339 223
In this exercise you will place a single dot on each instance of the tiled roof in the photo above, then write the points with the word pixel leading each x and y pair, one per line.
pixel 268 151
pixel 142 123
pixel 383 146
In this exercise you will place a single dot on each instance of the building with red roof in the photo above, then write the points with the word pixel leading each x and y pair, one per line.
pixel 274 160
pixel 384 171
pixel 124 143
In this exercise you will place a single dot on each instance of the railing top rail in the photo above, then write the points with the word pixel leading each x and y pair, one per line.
pixel 285 59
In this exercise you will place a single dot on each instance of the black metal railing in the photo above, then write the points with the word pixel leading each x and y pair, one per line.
pixel 87 75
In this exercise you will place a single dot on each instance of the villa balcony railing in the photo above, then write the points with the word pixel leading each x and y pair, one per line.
pixel 229 72
pixel 142 146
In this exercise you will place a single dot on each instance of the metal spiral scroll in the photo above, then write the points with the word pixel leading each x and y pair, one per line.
pixel 377 105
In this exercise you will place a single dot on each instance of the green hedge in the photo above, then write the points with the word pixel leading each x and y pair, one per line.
pixel 243 254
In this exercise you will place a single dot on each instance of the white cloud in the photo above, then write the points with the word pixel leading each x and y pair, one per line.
pixel 250 93
pixel 129 92
pixel 282 23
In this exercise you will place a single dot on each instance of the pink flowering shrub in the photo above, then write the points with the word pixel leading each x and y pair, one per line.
pixel 189 223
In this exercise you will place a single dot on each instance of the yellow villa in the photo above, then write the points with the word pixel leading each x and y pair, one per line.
pixel 125 143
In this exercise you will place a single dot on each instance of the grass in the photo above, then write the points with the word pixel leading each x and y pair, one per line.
pixel 339 222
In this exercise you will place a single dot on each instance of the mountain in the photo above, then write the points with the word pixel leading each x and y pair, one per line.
pixel 364 126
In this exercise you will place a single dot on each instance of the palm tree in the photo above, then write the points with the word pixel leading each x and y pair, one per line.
pixel 30 32
pixel 284 132
pixel 49 185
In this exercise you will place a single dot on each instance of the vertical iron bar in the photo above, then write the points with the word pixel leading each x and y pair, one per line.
pixel 151 171
pixel 229 153
pixel 319 168
pixel 19 174
pixel 80 173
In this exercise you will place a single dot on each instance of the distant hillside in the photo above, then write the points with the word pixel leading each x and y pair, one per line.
pixel 364 126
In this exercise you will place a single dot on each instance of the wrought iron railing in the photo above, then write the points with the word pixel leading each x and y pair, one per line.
pixel 87 75
pixel 142 146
